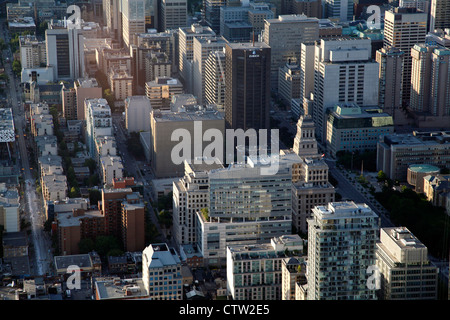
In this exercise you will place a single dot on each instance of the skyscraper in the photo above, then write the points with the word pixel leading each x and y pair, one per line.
pixel 173 14
pixel 390 61
pixel 65 51
pixel 430 92
pixel 403 28
pixel 247 79
pixel 202 48
pixel 285 35
pixel 341 247
pixel 343 72
pixel 440 14
pixel 339 9
pixel 215 78
pixel 133 20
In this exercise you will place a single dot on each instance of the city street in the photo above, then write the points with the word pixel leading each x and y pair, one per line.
pixel 41 242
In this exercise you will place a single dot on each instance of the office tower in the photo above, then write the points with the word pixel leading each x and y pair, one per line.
pixel 258 13
pixel 215 79
pixel 289 83
pixel 212 13
pixel 310 8
pixel 202 48
pixel 98 121
pixel 32 52
pixel 254 272
pixel 403 28
pixel 406 272
pixel 351 128
pixel 69 102
pixel 65 51
pixel 339 9
pixel 133 20
pixel 86 88
pixel 390 62
pixel 190 194
pixel 430 76
pixel 247 79
pixel 113 18
pixel 396 152
pixel 422 5
pixel 151 14
pixel 173 14
pixel 439 15
pixel 258 208
pixel 161 90
pixel 188 118
pixel 160 261
pixel 342 240
pixel 306 64
pixel 186 50
pixel 285 35
pixel 344 72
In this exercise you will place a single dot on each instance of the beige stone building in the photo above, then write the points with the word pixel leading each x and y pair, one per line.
pixel 161 90
pixel 406 273
pixel 163 123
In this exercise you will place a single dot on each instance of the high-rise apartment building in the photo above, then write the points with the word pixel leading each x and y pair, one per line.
pixel 284 35
pixel 173 14
pixel 254 272
pixel 161 272
pixel 390 61
pixel 202 48
pixel 430 76
pixel 404 28
pixel 406 272
pixel 133 20
pixel 439 15
pixel 342 240
pixel 32 52
pixel 186 37
pixel 69 102
pixel 98 121
pixel 247 79
pixel 215 79
pixel 344 72
pixel 289 82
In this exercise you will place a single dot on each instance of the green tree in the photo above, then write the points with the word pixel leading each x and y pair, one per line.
pixel 381 176
pixel 91 164
pixel 86 245
pixel 104 244
pixel 17 67
pixel 115 253
pixel 94 196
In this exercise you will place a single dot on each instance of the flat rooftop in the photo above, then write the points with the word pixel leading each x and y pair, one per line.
pixel 116 288
pixel 202 114
pixel 80 260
